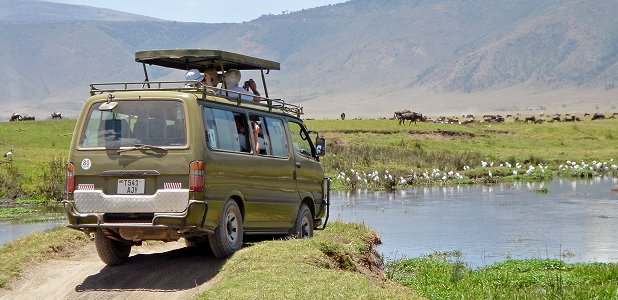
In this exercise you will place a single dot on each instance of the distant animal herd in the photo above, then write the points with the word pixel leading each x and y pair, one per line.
pixel 403 115
pixel 20 117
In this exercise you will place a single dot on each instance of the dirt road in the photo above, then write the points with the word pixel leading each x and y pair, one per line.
pixel 161 271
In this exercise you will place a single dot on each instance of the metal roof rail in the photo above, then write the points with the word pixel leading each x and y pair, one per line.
pixel 189 87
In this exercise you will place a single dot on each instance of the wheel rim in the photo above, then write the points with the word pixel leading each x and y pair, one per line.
pixel 232 228
pixel 305 227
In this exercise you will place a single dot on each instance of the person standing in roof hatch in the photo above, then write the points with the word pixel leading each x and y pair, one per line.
pixel 232 78
pixel 211 80
pixel 194 75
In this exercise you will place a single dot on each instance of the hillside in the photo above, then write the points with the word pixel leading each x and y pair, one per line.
pixel 41 11
pixel 363 57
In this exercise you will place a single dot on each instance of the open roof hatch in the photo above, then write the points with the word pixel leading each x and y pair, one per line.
pixel 203 59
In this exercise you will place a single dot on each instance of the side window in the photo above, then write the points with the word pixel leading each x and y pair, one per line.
pixel 300 139
pixel 260 135
pixel 226 130
pixel 278 140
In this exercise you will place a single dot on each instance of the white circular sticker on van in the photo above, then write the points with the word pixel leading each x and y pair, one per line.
pixel 86 164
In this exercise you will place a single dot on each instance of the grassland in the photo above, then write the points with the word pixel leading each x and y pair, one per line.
pixel 40 148
pixel 430 153
pixel 551 142
pixel 441 277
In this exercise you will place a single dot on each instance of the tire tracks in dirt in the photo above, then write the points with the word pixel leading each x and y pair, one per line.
pixel 159 271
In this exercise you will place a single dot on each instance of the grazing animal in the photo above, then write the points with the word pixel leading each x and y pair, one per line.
pixel 28 118
pixel 15 117
pixel 556 117
pixel 411 116
pixel 343 116
pixel 530 119
pixel 598 116
pixel 400 112
pixel 9 154
pixel 56 115
pixel 569 119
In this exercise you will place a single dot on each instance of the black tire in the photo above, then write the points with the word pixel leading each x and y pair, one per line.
pixel 110 251
pixel 303 227
pixel 228 236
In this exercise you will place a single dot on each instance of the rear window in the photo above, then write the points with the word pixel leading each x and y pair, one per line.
pixel 156 123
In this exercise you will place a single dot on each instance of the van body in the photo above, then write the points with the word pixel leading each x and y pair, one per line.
pixel 166 160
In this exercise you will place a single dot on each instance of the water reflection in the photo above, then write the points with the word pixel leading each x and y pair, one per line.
pixel 492 223
pixel 10 231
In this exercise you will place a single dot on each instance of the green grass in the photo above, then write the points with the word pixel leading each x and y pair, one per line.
pixel 437 278
pixel 22 253
pixel 452 143
pixel 330 266
pixel 41 147
pixel 29 214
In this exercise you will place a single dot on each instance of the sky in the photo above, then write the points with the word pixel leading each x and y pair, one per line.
pixel 204 11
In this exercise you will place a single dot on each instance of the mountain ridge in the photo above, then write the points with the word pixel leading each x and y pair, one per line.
pixel 443 54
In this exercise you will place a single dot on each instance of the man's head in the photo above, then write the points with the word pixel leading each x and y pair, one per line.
pixel 232 77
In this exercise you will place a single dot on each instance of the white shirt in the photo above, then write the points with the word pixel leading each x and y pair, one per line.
pixel 235 95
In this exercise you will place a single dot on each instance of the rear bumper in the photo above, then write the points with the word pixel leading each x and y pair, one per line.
pixel 164 200
pixel 187 223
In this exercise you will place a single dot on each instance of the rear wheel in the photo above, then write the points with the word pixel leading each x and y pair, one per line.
pixel 110 251
pixel 228 236
pixel 303 228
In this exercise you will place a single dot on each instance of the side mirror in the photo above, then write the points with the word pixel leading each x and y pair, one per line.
pixel 320 146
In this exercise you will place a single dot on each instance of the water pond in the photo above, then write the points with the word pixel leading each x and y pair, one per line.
pixel 13 230
pixel 576 221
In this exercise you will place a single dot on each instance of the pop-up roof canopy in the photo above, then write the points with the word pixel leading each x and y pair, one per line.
pixel 203 59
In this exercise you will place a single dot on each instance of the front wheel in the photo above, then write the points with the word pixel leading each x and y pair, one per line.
pixel 228 236
pixel 110 251
pixel 303 228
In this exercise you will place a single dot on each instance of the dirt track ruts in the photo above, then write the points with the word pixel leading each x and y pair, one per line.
pixel 161 271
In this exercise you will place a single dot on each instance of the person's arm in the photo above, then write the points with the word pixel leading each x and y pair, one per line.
pixel 253 88
pixel 256 132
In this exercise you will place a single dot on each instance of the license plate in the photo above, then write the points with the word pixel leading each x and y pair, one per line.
pixel 131 186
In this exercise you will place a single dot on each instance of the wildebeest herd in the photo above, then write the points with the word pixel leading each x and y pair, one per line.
pixel 404 115
pixel 20 117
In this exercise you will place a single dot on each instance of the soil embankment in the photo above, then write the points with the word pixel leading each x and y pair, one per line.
pixel 160 271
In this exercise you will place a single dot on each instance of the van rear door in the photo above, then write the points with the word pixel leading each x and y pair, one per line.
pixel 132 150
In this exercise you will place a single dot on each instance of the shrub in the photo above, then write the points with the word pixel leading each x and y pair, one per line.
pixel 52 184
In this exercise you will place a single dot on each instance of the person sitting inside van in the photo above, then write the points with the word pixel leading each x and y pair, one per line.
pixel 232 78
pixel 242 136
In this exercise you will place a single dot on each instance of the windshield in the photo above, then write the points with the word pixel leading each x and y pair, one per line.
pixel 156 123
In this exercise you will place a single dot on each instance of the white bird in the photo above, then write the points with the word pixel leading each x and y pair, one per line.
pixel 9 154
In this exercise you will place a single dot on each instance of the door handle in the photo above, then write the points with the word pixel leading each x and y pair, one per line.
pixel 298 165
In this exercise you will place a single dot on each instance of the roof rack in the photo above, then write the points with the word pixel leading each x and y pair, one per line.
pixel 188 86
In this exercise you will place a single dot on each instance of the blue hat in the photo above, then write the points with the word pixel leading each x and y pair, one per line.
pixel 194 74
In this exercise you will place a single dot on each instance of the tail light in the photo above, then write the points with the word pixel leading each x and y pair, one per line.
pixel 196 176
pixel 70 178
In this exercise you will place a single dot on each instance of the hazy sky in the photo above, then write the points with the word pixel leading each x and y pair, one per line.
pixel 204 11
